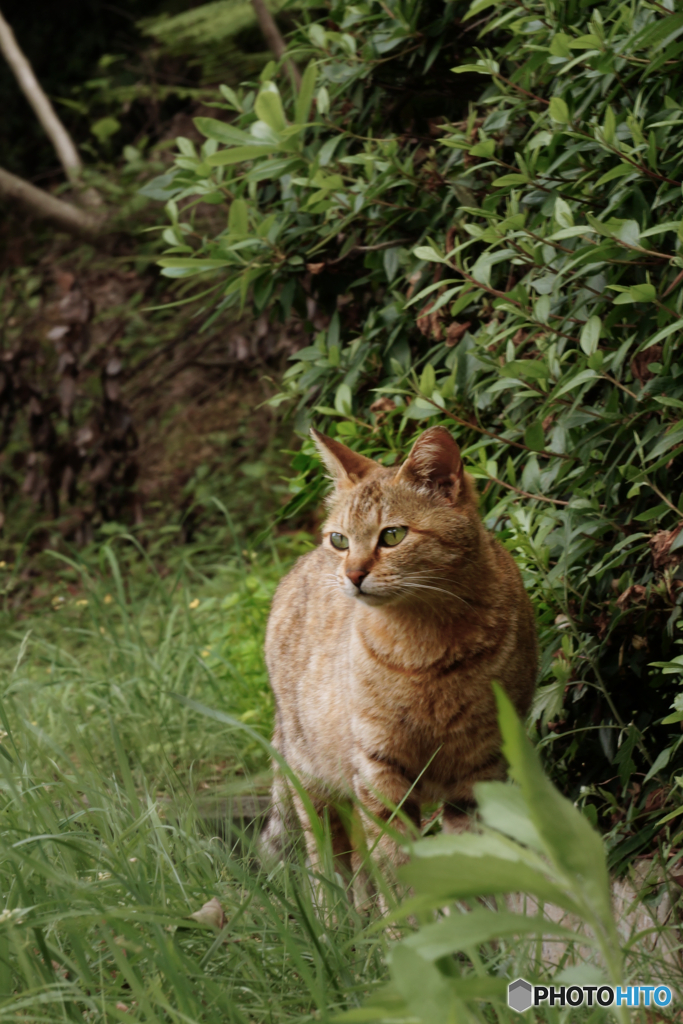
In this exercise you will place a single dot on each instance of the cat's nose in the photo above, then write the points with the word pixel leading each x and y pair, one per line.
pixel 356 576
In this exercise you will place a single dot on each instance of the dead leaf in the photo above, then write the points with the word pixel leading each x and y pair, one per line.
pixel 660 546
pixel 102 470
pixel 315 268
pixel 64 280
pixel 383 404
pixel 66 389
pixel 602 622
pixel 211 914
pixel 73 308
pixel 455 331
pixel 639 363
pixel 58 332
pixel 639 642
pixel 112 390
pixel 656 799
pixel 635 594
pixel 412 281
pixel 430 324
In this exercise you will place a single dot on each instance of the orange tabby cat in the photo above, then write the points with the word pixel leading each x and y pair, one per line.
pixel 383 642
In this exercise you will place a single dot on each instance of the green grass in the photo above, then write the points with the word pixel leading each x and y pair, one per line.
pixel 126 809
pixel 113 798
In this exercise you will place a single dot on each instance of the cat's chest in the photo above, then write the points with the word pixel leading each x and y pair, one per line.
pixel 424 686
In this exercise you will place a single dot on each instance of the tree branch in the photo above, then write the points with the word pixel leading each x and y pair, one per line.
pixel 30 86
pixel 48 207
pixel 272 36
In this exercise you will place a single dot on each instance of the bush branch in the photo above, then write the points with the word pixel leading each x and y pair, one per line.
pixel 273 38
pixel 30 86
pixel 48 207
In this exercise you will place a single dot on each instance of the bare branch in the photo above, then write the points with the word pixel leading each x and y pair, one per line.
pixel 48 207
pixel 55 130
pixel 272 36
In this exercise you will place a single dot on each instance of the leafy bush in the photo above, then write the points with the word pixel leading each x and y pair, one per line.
pixel 533 841
pixel 511 269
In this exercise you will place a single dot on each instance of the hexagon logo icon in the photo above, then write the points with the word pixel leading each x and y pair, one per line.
pixel 519 995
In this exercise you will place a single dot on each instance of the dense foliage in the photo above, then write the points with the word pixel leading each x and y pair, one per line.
pixel 496 248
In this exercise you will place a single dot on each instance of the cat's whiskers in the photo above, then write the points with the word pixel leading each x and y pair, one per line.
pixel 439 590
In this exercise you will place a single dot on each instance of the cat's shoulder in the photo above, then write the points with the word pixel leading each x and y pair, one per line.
pixel 306 569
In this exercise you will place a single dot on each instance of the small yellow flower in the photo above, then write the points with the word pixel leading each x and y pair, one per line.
pixel 3 565
pixel 57 601
pixel 194 604
pixel 82 603
pixel 206 652
pixel 108 599
pixel 102 630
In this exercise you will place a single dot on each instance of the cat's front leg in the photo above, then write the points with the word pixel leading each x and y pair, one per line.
pixel 385 797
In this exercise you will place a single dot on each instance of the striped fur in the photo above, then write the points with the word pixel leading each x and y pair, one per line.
pixel 373 684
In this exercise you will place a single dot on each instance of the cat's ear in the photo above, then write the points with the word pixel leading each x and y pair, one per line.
pixel 435 461
pixel 345 466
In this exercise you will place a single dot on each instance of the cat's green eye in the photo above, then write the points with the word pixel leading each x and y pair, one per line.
pixel 339 541
pixel 392 536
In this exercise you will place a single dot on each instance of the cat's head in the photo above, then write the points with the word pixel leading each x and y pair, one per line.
pixel 408 535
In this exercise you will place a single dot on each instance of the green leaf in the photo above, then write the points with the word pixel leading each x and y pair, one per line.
pixel 674 436
pixel 616 172
pixel 570 842
pixel 420 409
pixel 559 111
pixel 426 252
pixel 428 381
pixel 221 132
pixel 481 271
pixel 653 513
pixel 343 399
pixel 427 992
pixel 532 368
pixel 327 149
pixel 501 806
pixel 240 154
pixel 275 168
pixel 510 179
pixel 590 335
pixel 105 128
pixel 302 107
pixel 580 378
pixel 559 45
pixel 238 218
pixel 534 437
pixel 463 930
pixel 610 126
pixel 563 213
pixel 268 107
pixel 481 69
pixel 656 32
pixel 636 293
pixel 660 762
pixel 193 264
pixel 454 876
